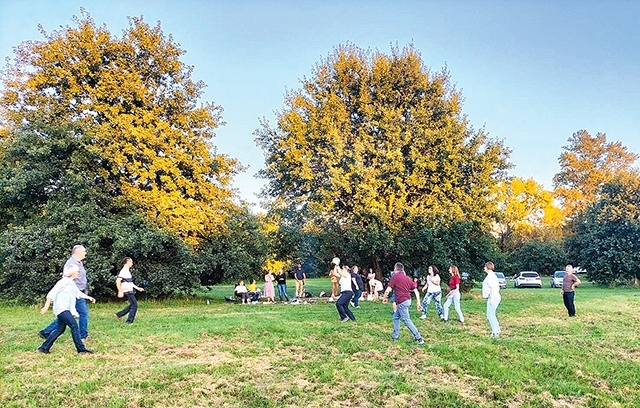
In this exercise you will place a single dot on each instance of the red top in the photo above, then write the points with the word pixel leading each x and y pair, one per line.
pixel 453 282
pixel 402 286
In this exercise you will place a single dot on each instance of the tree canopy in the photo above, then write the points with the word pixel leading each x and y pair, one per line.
pixel 373 144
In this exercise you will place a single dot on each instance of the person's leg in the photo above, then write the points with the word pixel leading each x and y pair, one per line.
pixel 124 311
pixel 403 312
pixel 395 318
pixel 425 305
pixel 491 317
pixel 456 305
pixel 280 291
pixel 284 289
pixel 133 303
pixel 83 320
pixel 571 301
pixel 436 299
pixel 57 330
pixel 340 305
pixel 68 320
pixel 348 294
pixel 356 297
pixel 447 305
pixel 44 333
pixel 565 299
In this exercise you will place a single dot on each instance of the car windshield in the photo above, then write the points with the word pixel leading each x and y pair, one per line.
pixel 560 274
pixel 500 275
pixel 529 275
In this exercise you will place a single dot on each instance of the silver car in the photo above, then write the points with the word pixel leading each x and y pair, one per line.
pixel 556 279
pixel 502 280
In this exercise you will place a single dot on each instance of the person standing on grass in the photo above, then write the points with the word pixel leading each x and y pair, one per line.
pixel 402 285
pixel 491 292
pixel 301 279
pixel 78 253
pixel 269 291
pixel 454 294
pixel 569 284
pixel 356 286
pixel 282 285
pixel 334 276
pixel 434 292
pixel 64 295
pixel 342 304
pixel 126 287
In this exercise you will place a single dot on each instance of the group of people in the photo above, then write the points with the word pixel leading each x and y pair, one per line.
pixel 69 297
pixel 251 293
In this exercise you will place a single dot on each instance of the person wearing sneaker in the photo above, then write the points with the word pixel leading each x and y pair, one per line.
pixel 434 292
pixel 342 304
pixel 356 286
pixel 402 285
pixel 454 294
pixel 63 295
pixel 491 292
pixel 126 287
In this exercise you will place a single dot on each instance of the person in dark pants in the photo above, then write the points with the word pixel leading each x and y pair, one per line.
pixel 357 286
pixel 126 287
pixel 342 304
pixel 281 278
pixel 64 295
pixel 569 284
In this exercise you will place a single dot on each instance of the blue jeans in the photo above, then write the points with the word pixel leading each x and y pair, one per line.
pixel 132 307
pixel 456 303
pixel 491 316
pixel 63 320
pixel 402 313
pixel 356 296
pixel 342 304
pixel 282 291
pixel 435 297
pixel 83 321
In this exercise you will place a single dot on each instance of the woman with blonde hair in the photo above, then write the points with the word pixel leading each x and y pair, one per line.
pixel 454 294
pixel 491 292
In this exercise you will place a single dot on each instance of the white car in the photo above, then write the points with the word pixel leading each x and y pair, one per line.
pixel 527 279
pixel 502 280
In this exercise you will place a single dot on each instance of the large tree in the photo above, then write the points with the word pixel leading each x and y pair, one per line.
pixel 134 110
pixel 586 164
pixel 373 144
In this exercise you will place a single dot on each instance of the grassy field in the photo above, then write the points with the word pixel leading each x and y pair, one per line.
pixel 187 353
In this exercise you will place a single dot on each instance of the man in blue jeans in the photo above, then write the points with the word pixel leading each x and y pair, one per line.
pixel 78 253
pixel 402 286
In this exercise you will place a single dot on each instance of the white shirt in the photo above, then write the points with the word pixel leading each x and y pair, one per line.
pixel 432 287
pixel 64 295
pixel 490 281
pixel 127 280
pixel 345 283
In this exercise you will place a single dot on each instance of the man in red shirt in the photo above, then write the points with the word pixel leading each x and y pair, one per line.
pixel 402 285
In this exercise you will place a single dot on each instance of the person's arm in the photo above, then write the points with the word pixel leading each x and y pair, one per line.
pixel 138 288
pixel 46 306
pixel 425 287
pixel 119 286
pixel 304 277
pixel 419 305
pixel 355 283
pixel 576 283
pixel 386 293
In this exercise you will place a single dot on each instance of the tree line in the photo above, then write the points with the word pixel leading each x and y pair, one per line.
pixel 105 141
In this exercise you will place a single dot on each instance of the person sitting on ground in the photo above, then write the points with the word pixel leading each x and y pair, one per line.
pixel 254 291
pixel 242 292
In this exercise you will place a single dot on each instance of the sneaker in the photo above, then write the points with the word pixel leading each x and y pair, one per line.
pixel 351 304
pixel 420 341
pixel 43 351
pixel 346 319
pixel 118 318
pixel 423 316
pixel 42 335
pixel 85 351
pixel 394 338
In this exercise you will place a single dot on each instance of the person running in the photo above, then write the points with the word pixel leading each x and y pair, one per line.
pixel 568 292
pixel 342 304
pixel 454 294
pixel 64 295
pixel 126 287
pixel 281 278
pixel 491 292
pixel 402 285
pixel 434 292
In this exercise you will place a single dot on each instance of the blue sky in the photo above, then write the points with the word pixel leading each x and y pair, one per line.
pixel 531 72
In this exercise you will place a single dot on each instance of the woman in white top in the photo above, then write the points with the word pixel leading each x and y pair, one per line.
pixel 126 287
pixel 342 304
pixel 434 292
pixel 491 292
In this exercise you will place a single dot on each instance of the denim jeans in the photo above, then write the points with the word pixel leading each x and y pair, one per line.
pixel 356 297
pixel 342 304
pixel 567 297
pixel 131 308
pixel 402 313
pixel 282 291
pixel 63 320
pixel 456 303
pixel 83 321
pixel 491 316
pixel 435 297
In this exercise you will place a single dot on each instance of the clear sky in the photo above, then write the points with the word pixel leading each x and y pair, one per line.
pixel 531 72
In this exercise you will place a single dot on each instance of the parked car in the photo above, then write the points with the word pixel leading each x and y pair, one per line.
pixel 556 279
pixel 502 280
pixel 527 279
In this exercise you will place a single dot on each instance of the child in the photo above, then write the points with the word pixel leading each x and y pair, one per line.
pixel 125 285
pixel 64 295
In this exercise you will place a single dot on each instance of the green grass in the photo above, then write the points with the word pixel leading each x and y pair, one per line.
pixel 187 353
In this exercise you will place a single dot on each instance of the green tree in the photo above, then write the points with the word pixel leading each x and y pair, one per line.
pixel 586 164
pixel 372 144
pixel 135 113
pixel 606 238
pixel 538 255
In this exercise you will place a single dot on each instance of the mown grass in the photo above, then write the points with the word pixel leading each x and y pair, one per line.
pixel 187 353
